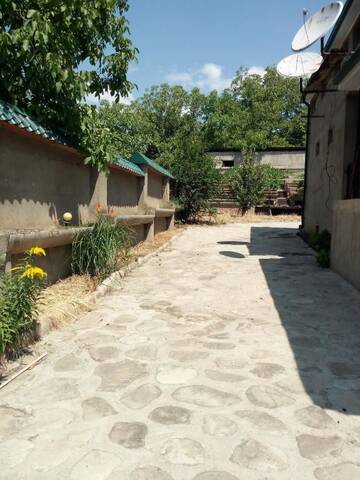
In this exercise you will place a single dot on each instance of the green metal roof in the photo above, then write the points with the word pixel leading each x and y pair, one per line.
pixel 127 165
pixel 141 159
pixel 14 116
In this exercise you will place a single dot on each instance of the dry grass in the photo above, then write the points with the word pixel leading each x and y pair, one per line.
pixel 144 248
pixel 234 216
pixel 66 299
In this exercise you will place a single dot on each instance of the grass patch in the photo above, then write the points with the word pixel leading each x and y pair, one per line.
pixel 100 250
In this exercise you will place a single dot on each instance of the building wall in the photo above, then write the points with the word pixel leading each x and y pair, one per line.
pixel 345 251
pixel 289 159
pixel 157 190
pixel 330 151
pixel 124 191
pixel 39 182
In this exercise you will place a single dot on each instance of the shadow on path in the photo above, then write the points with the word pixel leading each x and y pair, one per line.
pixel 320 313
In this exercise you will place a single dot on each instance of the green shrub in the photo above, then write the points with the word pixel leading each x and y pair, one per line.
pixel 321 242
pixel 19 294
pixel 275 177
pixel 250 181
pixel 99 250
pixel 323 258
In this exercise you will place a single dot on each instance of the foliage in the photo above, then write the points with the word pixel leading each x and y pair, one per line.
pixel 96 251
pixel 323 258
pixel 19 293
pixel 54 54
pixel 321 242
pixel 250 181
pixel 275 177
pixel 256 112
pixel 196 178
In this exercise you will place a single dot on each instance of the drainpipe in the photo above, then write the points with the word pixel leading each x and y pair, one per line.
pixel 306 157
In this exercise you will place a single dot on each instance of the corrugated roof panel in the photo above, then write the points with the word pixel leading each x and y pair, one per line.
pixel 127 165
pixel 13 115
pixel 142 159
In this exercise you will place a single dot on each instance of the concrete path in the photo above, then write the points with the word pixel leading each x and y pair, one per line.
pixel 231 355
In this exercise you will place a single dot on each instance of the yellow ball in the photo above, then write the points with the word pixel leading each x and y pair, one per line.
pixel 67 217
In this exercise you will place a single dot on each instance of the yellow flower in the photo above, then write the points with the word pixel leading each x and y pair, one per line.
pixel 33 272
pixel 37 251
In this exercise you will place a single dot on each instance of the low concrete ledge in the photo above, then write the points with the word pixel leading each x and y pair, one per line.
pixel 135 219
pixel 164 212
pixel 19 242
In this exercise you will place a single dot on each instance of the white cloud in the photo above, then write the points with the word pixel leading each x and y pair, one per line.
pixel 209 76
pixel 92 99
pixel 255 70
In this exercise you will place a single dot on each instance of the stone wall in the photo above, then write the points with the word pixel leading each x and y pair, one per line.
pixel 345 251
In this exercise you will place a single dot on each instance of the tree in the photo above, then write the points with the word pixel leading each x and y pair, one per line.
pixel 53 54
pixel 250 181
pixel 256 112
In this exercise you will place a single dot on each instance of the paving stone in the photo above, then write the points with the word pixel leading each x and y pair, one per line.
pixel 149 473
pixel 340 471
pixel 219 345
pixel 134 339
pixel 205 396
pixel 129 435
pixel 119 375
pixel 183 451
pixel 169 374
pixel 96 407
pixel 68 363
pixel 267 370
pixel 11 419
pixel 13 452
pixel 256 456
pixel 188 355
pixel 170 415
pixel 313 447
pixel 268 396
pixel 101 354
pixel 231 362
pixel 345 370
pixel 262 420
pixel 95 465
pixel 143 352
pixel 219 425
pixel 314 417
pixel 215 475
pixel 219 376
pixel 141 396
pixel 56 389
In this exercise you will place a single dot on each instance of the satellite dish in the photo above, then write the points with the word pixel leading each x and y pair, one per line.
pixel 317 26
pixel 299 65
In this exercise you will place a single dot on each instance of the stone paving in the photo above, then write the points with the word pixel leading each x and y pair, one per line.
pixel 231 355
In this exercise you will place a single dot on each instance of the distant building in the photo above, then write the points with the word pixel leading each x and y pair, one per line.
pixel 332 180
pixel 291 159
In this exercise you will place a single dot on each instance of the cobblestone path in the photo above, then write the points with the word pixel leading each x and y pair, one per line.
pixel 229 356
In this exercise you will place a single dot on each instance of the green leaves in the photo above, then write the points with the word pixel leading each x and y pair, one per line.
pixel 42 55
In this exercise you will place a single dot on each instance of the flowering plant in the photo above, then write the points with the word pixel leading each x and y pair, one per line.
pixel 19 293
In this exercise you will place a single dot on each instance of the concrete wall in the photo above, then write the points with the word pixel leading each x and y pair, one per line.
pixel 345 244
pixel 331 149
pixel 291 160
pixel 124 191
pixel 39 182
pixel 157 190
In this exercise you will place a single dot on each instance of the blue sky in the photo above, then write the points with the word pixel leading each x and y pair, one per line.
pixel 203 42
